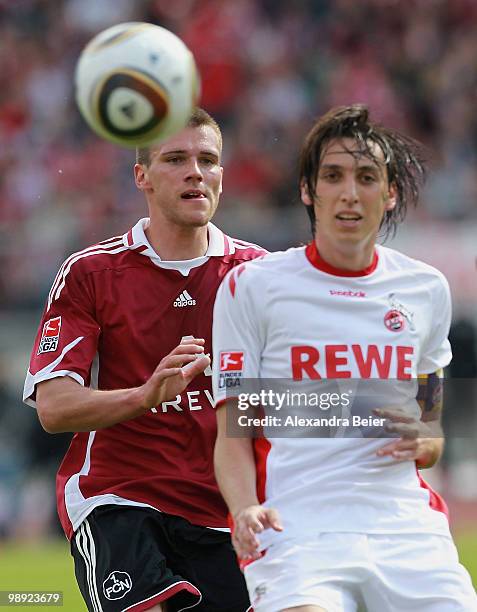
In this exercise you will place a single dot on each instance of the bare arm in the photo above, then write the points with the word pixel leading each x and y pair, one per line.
pixel 65 405
pixel 236 476
pixel 421 441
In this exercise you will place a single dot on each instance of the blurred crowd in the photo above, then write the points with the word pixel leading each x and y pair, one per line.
pixel 268 68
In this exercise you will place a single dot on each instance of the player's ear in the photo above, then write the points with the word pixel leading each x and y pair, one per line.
pixel 305 194
pixel 141 177
pixel 391 199
pixel 221 179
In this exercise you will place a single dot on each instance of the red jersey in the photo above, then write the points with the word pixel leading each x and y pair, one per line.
pixel 114 311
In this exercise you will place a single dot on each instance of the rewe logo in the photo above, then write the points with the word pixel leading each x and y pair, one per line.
pixel 185 299
pixel 344 361
pixel 117 585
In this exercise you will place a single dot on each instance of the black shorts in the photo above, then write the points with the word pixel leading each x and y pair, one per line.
pixel 130 558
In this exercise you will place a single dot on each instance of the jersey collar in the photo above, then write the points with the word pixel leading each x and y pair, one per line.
pixel 317 261
pixel 219 245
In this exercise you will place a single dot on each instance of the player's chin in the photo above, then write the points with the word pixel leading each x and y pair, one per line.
pixel 197 218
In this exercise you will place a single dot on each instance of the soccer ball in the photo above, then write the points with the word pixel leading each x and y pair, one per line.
pixel 136 84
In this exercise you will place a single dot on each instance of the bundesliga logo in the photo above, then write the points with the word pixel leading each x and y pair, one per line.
pixel 231 366
pixel 231 361
pixel 50 336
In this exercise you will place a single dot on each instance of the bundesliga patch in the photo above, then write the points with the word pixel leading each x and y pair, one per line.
pixel 231 366
pixel 231 361
pixel 50 336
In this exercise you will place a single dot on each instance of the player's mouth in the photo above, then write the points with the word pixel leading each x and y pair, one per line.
pixel 350 219
pixel 193 194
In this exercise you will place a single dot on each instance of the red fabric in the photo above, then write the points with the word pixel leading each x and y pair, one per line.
pixel 165 595
pixel 436 502
pixel 119 305
pixel 316 260
pixel 262 447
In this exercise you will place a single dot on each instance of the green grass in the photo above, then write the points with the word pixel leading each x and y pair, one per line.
pixel 42 567
pixel 49 566
pixel 467 546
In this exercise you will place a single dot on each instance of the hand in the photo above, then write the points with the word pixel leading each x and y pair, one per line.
pixel 174 372
pixel 419 441
pixel 248 522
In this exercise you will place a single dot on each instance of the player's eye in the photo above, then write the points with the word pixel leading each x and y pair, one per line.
pixel 368 178
pixel 174 160
pixel 209 161
pixel 330 176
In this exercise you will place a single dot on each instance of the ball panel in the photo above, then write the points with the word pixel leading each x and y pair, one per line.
pixel 123 101
pixel 127 111
pixel 136 83
pixel 115 35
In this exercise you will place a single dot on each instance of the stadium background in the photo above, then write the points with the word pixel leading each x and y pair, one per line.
pixel 268 68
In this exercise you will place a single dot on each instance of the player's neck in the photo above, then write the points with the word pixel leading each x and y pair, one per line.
pixel 352 257
pixel 173 243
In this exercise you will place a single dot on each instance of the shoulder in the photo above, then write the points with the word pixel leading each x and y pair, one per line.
pixel 98 256
pixel 256 274
pixel 419 271
pixel 241 250
pixel 277 262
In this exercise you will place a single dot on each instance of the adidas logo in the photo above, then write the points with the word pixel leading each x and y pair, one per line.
pixel 185 299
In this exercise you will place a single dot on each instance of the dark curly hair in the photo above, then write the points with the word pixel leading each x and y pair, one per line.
pixel 403 157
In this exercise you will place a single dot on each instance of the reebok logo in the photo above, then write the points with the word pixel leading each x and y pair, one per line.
pixel 343 293
pixel 185 299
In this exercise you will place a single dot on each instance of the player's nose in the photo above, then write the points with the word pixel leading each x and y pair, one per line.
pixel 349 192
pixel 193 170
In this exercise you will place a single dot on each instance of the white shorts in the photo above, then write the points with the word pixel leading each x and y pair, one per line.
pixel 347 572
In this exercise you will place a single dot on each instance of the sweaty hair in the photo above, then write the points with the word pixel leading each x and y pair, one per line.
pixel 198 118
pixel 403 157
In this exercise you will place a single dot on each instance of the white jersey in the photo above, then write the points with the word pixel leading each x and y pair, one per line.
pixel 290 316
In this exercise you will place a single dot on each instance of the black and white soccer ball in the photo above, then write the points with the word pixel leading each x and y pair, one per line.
pixel 136 84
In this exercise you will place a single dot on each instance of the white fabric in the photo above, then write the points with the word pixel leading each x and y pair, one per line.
pixel 216 247
pixel 372 573
pixel 283 301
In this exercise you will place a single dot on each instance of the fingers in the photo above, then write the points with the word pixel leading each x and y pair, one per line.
pixel 399 422
pixel 195 367
pixel 249 522
pixel 396 415
pixel 245 540
pixel 178 361
pixel 192 340
pixel 187 347
pixel 407 432
pixel 186 366
pixel 389 449
pixel 185 352
pixel 271 519
pixel 401 449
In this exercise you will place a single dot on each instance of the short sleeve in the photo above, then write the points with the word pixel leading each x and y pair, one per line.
pixel 237 334
pixel 436 352
pixel 67 338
